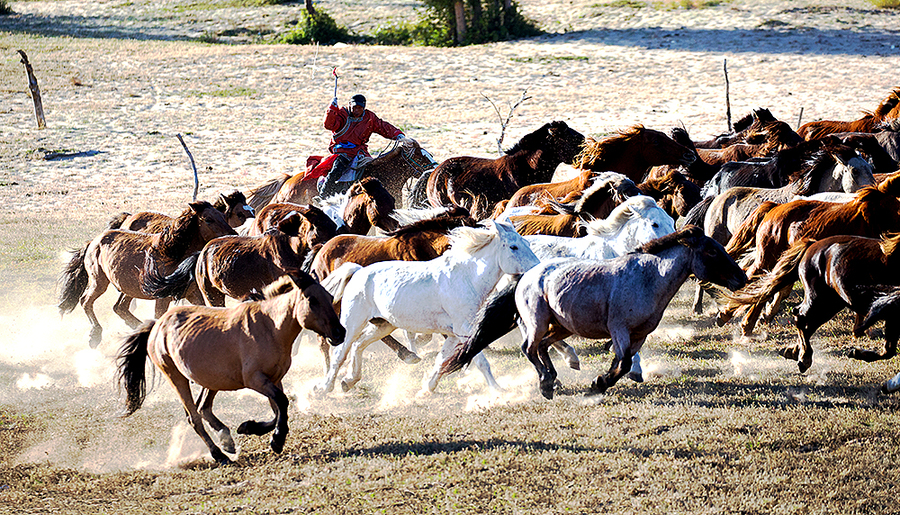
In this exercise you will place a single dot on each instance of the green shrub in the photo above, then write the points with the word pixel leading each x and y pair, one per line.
pixel 318 28
pixel 425 32
pixel 5 8
pixel 886 4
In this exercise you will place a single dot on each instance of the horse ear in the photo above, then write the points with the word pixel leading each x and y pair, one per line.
pixel 691 236
pixel 301 280
pixel 198 206
pixel 534 159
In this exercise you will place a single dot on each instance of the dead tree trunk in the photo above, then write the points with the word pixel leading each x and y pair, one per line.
pixel 35 92
pixel 459 9
pixel 309 8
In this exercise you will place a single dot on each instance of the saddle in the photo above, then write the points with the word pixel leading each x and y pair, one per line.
pixel 317 167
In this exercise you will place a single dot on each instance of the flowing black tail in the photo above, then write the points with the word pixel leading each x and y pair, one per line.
pixel 73 281
pixel 697 214
pixel 172 285
pixel 495 319
pixel 307 264
pixel 132 362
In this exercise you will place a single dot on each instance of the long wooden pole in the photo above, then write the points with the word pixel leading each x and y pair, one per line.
pixel 193 166
pixel 35 92
pixel 727 96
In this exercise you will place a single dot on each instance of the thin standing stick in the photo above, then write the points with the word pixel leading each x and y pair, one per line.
pixel 727 96
pixel 504 123
pixel 800 118
pixel 193 166
pixel 35 91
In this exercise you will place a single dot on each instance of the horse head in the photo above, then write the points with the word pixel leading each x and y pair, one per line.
pixel 514 253
pixel 314 309
pixel 210 221
pixel 369 203
pixel 709 261
pixel 318 227
pixel 660 149
pixel 235 208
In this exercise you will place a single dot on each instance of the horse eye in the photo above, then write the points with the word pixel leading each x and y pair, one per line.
pixel 655 225
pixel 513 247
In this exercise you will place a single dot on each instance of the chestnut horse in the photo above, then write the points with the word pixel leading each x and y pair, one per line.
pixel 393 168
pixel 116 257
pixel 889 109
pixel 233 206
pixel 774 228
pixel 697 172
pixel 633 152
pixel 673 192
pixel 527 195
pixel 478 183
pixel 245 346
pixel 836 272
pixel 234 266
pixel 754 128
pixel 317 226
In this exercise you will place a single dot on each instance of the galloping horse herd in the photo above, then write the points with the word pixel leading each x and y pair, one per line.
pixel 484 245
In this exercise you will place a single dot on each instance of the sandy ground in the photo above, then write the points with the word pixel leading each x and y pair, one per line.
pixel 125 81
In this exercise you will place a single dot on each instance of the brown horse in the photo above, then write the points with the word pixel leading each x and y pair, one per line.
pixel 608 191
pixel 116 257
pixel 479 183
pixel 527 195
pixel 234 266
pixel 836 272
pixel 366 204
pixel 674 193
pixel 317 226
pixel 633 152
pixel 889 109
pixel 245 346
pixel 233 206
pixel 697 172
pixel 873 212
pixel 758 126
pixel 393 168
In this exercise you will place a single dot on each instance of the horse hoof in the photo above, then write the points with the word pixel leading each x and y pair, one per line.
pixel 410 358
pixel 804 366
pixel 722 319
pixel 95 337
pixel 598 387
pixel 790 353
pixel 574 364
pixel 547 393
pixel 637 377
pixel 220 457
pixel 277 445
pixel 346 386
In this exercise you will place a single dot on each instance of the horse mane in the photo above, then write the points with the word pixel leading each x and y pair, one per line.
pixel 468 240
pixel 611 185
pixel 173 242
pixel 621 214
pixel 889 244
pixel 812 168
pixel 231 199
pixel 887 105
pixel 670 240
pixel 594 151
pixel 535 140
pixel 438 223
pixel 278 287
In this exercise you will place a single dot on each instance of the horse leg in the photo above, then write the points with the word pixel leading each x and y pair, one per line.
pixel 183 388
pixel 97 284
pixel 161 306
pixel 636 373
pixel 121 308
pixel 325 347
pixel 622 346
pixel 405 355
pixel 373 333
pixel 775 303
pixel 750 319
pixel 811 315
pixel 568 353
pixel 698 300
pixel 887 352
pixel 204 405
pixel 548 382
pixel 278 400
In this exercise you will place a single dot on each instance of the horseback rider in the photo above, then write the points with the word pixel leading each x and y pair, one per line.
pixel 351 127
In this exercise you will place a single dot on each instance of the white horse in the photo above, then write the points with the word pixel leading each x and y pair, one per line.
pixel 437 296
pixel 632 223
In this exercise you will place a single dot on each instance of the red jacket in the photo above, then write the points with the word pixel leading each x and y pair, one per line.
pixel 351 137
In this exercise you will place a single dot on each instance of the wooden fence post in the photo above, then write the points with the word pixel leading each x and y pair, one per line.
pixel 35 92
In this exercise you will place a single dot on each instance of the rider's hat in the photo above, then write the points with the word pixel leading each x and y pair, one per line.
pixel 358 100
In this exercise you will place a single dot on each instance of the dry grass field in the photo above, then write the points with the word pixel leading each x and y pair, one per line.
pixel 721 424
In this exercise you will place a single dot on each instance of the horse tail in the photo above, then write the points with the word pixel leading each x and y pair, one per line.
pixel 131 369
pixel 742 240
pixel 259 196
pixel 116 221
pixel 418 194
pixel 697 214
pixel 175 284
pixel 73 281
pixel 307 265
pixel 784 273
pixel 494 320
pixel 884 306
pixel 439 183
pixel 337 280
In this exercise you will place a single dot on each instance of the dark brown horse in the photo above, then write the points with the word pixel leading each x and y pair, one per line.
pixel 697 172
pixel 633 152
pixel 116 257
pixel 672 192
pixel 889 109
pixel 873 212
pixel 234 266
pixel 317 225
pixel 392 167
pixel 366 204
pixel 758 126
pixel 478 183
pixel 244 346
pixel 836 272
pixel 233 206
